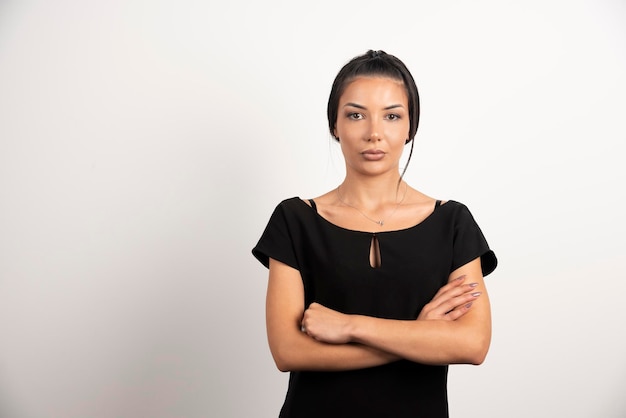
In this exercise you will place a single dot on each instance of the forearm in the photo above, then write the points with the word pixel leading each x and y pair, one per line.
pixel 454 327
pixel 427 342
pixel 293 349
pixel 301 352
pixel 462 335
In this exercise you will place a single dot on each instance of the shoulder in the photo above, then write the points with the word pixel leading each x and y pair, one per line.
pixel 292 208
pixel 456 212
pixel 469 239
pixel 454 206
pixel 290 202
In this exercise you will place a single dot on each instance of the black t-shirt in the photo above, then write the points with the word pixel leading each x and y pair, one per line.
pixel 334 263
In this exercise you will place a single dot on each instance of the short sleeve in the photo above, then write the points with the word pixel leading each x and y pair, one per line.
pixel 276 241
pixel 469 243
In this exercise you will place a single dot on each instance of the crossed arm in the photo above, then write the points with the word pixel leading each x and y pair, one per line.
pixel 454 327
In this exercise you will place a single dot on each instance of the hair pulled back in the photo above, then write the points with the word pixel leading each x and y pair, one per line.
pixel 376 64
pixel 372 64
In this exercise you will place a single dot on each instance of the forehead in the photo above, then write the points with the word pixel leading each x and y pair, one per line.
pixel 374 88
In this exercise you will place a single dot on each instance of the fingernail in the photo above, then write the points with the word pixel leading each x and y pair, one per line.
pixel 460 278
pixel 473 284
pixel 476 294
pixel 468 305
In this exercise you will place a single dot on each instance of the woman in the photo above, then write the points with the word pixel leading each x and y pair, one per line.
pixel 374 287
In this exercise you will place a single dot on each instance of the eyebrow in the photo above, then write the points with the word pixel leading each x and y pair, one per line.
pixel 358 106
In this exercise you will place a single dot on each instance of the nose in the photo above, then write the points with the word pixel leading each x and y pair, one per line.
pixel 374 132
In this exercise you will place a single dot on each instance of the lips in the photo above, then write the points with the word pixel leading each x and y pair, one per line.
pixel 373 154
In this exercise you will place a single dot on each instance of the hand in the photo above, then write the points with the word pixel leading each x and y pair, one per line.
pixel 451 302
pixel 326 325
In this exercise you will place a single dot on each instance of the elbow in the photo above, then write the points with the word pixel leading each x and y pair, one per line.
pixel 282 359
pixel 282 368
pixel 287 351
pixel 478 358
pixel 477 352
pixel 282 365
pixel 471 349
pixel 474 358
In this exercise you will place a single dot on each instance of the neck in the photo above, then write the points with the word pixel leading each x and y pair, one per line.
pixel 372 192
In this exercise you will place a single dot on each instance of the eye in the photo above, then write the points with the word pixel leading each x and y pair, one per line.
pixel 355 116
pixel 393 116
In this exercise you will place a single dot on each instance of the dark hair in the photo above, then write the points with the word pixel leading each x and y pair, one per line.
pixel 375 63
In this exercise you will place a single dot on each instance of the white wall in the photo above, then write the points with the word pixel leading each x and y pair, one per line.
pixel 143 146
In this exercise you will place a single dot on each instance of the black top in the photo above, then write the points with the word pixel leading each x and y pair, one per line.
pixel 334 263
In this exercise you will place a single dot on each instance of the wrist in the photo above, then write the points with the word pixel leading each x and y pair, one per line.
pixel 353 328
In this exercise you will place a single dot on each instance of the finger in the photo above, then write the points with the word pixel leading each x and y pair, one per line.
pixel 445 298
pixel 314 305
pixel 448 305
pixel 451 285
pixel 460 302
pixel 458 312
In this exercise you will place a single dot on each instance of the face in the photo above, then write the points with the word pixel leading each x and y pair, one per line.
pixel 373 124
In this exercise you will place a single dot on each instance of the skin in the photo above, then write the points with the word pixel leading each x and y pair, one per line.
pixel 454 327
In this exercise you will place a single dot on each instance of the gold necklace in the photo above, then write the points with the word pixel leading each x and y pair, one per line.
pixel 380 222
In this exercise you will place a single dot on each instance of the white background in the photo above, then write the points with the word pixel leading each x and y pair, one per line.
pixel 143 146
